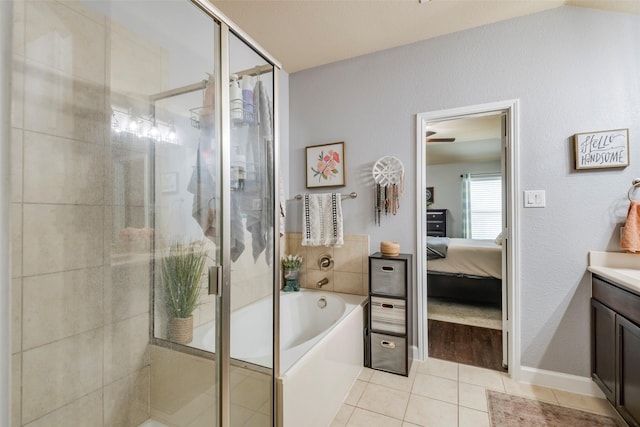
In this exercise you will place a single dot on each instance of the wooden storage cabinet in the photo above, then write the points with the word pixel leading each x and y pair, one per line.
pixel 615 348
pixel 437 222
pixel 390 315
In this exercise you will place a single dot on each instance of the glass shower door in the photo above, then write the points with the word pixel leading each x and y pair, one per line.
pixel 252 245
pixel 166 134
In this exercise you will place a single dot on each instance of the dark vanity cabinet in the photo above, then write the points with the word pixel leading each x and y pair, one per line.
pixel 615 347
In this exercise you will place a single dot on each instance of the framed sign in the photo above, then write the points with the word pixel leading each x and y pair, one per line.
pixel 429 196
pixel 325 165
pixel 602 149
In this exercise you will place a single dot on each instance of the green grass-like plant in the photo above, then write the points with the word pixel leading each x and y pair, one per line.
pixel 182 269
pixel 291 262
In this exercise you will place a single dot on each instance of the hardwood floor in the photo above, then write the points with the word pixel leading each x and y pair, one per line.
pixel 469 345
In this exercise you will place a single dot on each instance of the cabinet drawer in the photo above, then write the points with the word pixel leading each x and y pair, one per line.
pixel 388 277
pixel 388 315
pixel 388 353
pixel 435 226
pixel 617 299
pixel 435 216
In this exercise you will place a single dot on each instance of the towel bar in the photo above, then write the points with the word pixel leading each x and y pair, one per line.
pixel 351 195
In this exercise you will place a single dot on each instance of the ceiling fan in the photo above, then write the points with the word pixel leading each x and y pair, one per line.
pixel 430 133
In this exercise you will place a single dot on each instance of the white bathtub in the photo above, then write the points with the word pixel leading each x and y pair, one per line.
pixel 322 350
pixel 302 324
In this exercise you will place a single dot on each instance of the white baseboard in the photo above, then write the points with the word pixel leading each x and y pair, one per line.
pixel 416 353
pixel 559 381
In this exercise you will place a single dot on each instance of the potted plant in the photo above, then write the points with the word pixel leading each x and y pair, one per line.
pixel 291 267
pixel 182 269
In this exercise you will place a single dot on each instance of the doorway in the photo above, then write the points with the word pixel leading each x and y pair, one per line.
pixel 464 153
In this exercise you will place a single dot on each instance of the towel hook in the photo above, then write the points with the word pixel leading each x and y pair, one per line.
pixel 635 184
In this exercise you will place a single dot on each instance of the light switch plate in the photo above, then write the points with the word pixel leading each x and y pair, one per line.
pixel 534 199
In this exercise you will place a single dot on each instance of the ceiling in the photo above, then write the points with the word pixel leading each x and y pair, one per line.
pixel 477 139
pixel 302 34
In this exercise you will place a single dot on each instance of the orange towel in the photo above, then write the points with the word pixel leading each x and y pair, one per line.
pixel 630 240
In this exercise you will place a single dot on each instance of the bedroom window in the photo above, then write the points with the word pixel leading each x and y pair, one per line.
pixel 482 206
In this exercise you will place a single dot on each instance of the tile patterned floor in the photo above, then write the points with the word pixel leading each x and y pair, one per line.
pixel 439 393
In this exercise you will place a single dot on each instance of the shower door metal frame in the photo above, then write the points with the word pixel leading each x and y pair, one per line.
pixel 223 303
pixel 6 44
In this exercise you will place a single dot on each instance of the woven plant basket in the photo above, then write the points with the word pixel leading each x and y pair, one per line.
pixel 181 330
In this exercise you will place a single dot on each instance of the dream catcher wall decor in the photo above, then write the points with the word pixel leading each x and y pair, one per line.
pixel 388 175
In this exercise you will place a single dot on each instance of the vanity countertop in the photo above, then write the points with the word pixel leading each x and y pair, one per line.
pixel 623 268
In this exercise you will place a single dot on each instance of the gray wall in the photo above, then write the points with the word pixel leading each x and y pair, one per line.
pixel 573 69
pixel 447 189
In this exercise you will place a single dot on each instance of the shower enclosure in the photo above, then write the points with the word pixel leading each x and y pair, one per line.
pixel 143 166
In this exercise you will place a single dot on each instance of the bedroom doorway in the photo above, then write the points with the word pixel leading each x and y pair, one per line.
pixel 465 268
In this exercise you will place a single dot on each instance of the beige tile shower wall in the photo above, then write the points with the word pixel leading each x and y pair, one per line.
pixel 350 271
pixel 78 321
pixel 186 397
pixel 179 395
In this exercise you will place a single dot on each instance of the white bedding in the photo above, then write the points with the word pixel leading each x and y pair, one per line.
pixel 470 257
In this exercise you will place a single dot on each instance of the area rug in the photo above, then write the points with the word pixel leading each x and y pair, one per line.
pixel 513 411
pixel 465 314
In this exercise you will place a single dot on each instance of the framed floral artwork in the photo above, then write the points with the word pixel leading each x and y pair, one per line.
pixel 325 165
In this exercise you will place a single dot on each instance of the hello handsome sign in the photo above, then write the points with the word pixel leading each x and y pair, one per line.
pixel 604 149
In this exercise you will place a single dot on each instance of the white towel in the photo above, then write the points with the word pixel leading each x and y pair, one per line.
pixel 322 220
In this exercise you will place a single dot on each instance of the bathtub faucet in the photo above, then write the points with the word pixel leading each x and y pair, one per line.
pixel 322 282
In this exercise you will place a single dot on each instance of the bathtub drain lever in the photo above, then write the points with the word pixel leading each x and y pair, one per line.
pixel 322 302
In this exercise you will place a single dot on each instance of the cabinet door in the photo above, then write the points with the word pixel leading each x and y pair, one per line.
pixel 603 341
pixel 628 387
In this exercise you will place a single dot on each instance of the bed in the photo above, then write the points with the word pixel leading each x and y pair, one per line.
pixel 464 269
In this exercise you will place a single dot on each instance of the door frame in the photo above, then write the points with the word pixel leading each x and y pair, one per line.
pixel 511 325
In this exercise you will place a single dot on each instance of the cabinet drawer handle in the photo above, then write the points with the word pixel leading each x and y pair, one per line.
pixel 383 305
pixel 387 344
pixel 387 269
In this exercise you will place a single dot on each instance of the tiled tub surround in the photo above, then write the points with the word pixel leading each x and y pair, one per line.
pixel 350 271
